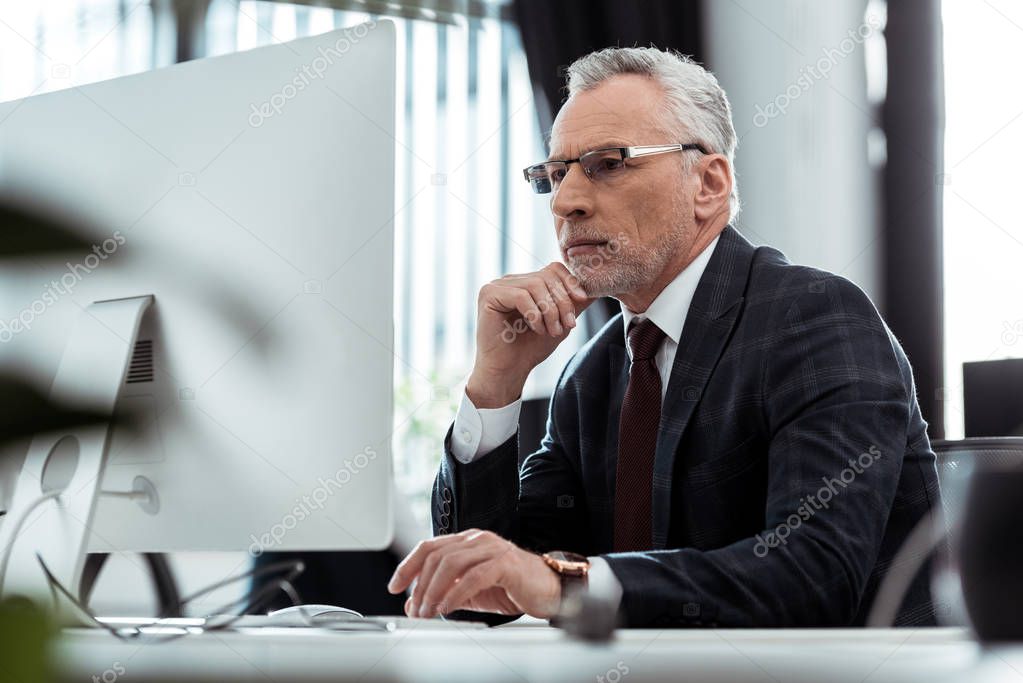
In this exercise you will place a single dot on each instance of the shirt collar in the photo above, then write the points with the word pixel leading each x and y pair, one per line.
pixel 669 309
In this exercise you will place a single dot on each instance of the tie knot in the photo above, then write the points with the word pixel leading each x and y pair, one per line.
pixel 644 339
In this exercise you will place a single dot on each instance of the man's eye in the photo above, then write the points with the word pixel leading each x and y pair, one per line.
pixel 605 166
pixel 558 175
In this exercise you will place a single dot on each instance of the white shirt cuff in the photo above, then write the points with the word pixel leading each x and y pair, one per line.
pixel 478 431
pixel 602 582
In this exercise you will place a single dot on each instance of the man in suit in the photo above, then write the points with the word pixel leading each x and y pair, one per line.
pixel 741 446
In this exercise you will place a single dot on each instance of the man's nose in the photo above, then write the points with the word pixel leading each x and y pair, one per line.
pixel 573 199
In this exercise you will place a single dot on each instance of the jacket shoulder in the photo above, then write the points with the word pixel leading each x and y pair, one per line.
pixel 781 286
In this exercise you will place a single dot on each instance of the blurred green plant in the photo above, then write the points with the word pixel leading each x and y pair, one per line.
pixel 27 634
pixel 30 234
pixel 25 410
pixel 424 407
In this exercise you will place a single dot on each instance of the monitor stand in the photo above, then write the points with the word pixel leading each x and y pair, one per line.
pixel 92 371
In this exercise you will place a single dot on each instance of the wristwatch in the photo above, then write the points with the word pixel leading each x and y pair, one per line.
pixel 571 567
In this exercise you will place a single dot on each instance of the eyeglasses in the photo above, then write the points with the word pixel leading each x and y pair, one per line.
pixel 599 165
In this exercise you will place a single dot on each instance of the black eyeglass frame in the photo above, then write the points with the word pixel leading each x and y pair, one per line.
pixel 624 153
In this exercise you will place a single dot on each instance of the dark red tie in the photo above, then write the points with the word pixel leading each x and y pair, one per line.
pixel 637 441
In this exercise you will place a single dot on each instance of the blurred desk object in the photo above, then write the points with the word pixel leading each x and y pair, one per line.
pixel 532 652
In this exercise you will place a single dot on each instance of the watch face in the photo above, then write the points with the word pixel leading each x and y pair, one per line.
pixel 571 564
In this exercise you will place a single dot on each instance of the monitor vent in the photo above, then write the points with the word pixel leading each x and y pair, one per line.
pixel 141 368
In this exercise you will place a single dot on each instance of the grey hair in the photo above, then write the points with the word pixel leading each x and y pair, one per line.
pixel 696 106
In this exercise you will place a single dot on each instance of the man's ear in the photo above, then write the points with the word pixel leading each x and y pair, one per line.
pixel 715 186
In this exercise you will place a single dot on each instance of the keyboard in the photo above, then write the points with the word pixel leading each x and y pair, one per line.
pixel 336 622
pixel 326 622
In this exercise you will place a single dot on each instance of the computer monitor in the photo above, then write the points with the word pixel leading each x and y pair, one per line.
pixel 991 397
pixel 240 300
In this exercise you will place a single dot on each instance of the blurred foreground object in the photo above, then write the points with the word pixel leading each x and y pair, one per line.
pixel 991 553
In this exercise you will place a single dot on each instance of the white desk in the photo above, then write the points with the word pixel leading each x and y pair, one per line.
pixel 536 653
pixel 540 653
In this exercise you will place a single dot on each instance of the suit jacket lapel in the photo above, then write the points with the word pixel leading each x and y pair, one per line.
pixel 708 326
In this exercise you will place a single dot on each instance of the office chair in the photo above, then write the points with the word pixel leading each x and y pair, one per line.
pixel 956 461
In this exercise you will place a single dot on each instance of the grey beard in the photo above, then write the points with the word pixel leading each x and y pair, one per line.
pixel 621 272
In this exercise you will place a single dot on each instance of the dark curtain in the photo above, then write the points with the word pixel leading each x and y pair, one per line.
pixel 914 123
pixel 556 33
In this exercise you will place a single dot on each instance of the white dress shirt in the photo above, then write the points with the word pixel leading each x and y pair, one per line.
pixel 479 431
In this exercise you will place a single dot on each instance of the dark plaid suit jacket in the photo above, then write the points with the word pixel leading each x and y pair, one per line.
pixel 791 462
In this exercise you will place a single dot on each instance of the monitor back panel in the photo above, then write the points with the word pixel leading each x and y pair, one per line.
pixel 252 194
pixel 993 397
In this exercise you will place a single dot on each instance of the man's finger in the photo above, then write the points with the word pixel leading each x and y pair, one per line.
pixel 478 578
pixel 410 567
pixel 562 299
pixel 516 298
pixel 572 283
pixel 444 573
pixel 537 287
pixel 425 572
pixel 580 298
